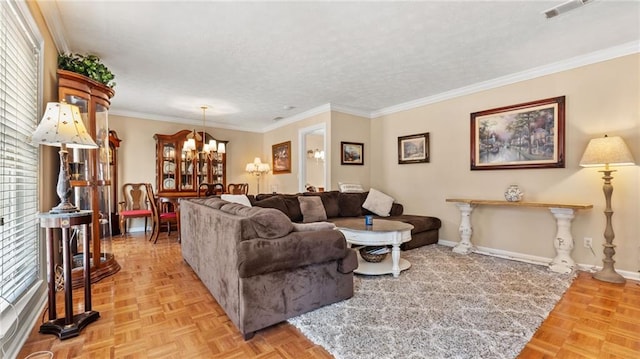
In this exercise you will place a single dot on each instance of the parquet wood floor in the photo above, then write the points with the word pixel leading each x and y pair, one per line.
pixel 156 307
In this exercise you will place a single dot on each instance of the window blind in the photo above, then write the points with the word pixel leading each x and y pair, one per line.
pixel 19 89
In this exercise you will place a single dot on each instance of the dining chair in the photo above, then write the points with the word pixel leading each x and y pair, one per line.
pixel 238 188
pixel 135 205
pixel 210 189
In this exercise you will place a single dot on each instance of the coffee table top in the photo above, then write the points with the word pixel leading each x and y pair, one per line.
pixel 379 225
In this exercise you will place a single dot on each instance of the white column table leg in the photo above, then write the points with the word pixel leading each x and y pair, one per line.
pixel 465 246
pixel 563 243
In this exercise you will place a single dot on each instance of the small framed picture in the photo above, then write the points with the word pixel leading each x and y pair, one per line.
pixel 281 157
pixel 352 153
pixel 413 148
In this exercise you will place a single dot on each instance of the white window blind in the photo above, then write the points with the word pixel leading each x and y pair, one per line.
pixel 19 89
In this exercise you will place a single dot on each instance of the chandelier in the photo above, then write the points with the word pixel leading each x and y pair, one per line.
pixel 208 149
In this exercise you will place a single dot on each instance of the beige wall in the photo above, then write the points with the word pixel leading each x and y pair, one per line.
pixel 350 128
pixel 288 182
pixel 137 152
pixel 600 98
pixel 49 163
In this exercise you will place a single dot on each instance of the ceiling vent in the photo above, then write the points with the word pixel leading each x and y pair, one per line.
pixel 564 7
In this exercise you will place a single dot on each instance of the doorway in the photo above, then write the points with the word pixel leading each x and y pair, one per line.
pixel 313 157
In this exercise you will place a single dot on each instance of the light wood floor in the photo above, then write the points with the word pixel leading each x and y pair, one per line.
pixel 156 307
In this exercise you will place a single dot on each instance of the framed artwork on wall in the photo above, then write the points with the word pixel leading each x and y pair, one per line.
pixel 527 135
pixel 413 148
pixel 352 153
pixel 281 157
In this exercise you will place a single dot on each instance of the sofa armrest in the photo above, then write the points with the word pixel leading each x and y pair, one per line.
pixel 259 256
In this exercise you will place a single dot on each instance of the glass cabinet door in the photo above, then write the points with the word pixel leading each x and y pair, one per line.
pixel 91 175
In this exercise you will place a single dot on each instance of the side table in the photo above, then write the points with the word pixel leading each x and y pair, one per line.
pixel 71 325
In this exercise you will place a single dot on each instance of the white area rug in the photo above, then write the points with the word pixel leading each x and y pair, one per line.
pixel 445 306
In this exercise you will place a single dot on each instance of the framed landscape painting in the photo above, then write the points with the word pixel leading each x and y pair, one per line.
pixel 527 135
pixel 352 153
pixel 413 148
pixel 281 157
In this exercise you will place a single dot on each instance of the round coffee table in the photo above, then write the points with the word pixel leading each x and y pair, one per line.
pixel 382 232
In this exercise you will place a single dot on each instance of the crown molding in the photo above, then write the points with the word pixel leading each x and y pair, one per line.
pixel 588 59
pixel 51 14
pixel 192 122
pixel 351 111
pixel 298 117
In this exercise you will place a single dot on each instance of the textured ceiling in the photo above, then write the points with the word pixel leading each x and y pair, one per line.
pixel 249 60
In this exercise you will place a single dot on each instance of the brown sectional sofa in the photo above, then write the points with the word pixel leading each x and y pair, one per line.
pixel 260 267
pixel 339 205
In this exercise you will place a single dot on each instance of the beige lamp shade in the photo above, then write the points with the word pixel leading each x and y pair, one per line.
pixel 606 151
pixel 62 125
pixel 257 166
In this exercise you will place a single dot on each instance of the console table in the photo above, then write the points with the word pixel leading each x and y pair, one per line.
pixel 563 241
pixel 70 325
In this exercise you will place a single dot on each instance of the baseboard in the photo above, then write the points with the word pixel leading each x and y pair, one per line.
pixel 521 257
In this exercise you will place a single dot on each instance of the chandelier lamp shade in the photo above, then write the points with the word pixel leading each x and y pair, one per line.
pixel 605 152
pixel 208 149
pixel 257 168
pixel 62 126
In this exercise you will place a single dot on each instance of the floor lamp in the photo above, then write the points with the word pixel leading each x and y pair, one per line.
pixel 607 151
pixel 257 168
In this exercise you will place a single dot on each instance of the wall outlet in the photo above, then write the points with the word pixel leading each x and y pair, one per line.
pixel 588 242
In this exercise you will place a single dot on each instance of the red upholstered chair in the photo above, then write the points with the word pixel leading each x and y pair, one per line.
pixel 168 213
pixel 135 205
pixel 165 210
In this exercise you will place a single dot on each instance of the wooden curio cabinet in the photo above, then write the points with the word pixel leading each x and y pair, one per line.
pixel 177 175
pixel 91 174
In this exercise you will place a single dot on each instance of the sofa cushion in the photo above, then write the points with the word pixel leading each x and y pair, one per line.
pixel 378 203
pixel 329 201
pixel 276 202
pixel 420 223
pixel 351 204
pixel 266 223
pixel 259 256
pixel 312 209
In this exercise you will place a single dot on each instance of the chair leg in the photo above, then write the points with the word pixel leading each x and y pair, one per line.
pixel 145 225
pixel 121 225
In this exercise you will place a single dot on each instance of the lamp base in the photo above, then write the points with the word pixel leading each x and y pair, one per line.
pixel 609 275
pixel 64 207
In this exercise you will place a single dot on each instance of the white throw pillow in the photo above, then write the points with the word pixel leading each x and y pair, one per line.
pixel 237 198
pixel 350 187
pixel 378 203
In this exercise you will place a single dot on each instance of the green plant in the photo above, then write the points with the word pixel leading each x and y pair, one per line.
pixel 87 65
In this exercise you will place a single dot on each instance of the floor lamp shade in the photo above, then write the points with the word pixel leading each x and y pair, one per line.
pixel 607 151
pixel 62 126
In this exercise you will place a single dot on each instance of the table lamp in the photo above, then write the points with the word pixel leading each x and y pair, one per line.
pixel 607 151
pixel 62 126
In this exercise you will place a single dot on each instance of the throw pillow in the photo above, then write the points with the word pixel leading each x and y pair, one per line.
pixel 350 187
pixel 237 198
pixel 317 226
pixel 312 209
pixel 378 203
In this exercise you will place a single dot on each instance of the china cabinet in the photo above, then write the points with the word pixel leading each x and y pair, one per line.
pixel 91 175
pixel 178 174
pixel 114 144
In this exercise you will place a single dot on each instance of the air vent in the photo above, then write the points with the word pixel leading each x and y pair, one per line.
pixel 564 7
